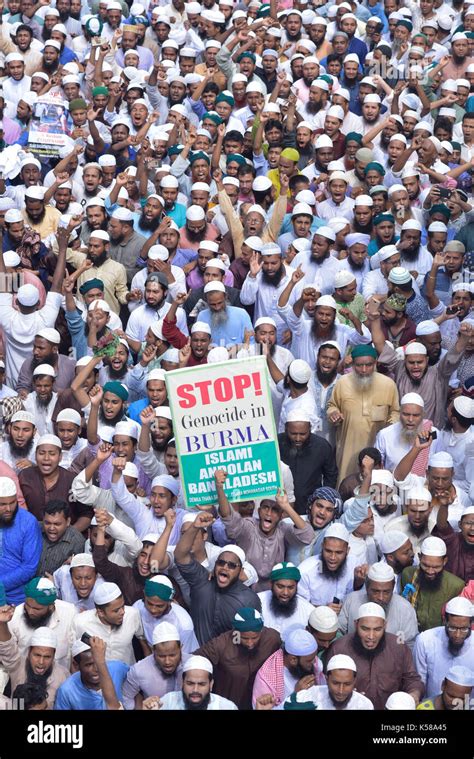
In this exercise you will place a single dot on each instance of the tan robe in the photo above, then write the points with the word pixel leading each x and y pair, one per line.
pixel 365 412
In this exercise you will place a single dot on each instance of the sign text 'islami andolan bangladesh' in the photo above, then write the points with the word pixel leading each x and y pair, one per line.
pixel 223 419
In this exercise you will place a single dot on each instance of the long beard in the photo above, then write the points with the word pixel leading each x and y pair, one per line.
pixel 110 422
pixel 20 451
pixel 274 279
pixel 457 648
pixel 409 436
pixel 218 318
pixel 194 236
pixel 31 677
pixel 411 254
pixel 356 266
pixel 50 360
pixel 97 261
pixel 313 108
pixel 4 523
pixel 43 402
pixel 325 378
pixel 201 707
pixel 33 624
pixel 117 374
pixel 362 383
pixel 367 654
pixel 363 230
pixel 279 609
pixel 39 220
pixel 149 226
pixel 332 574
pixel 430 584
pixel 320 334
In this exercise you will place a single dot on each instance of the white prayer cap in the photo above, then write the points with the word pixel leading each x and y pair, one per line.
pixel 415 349
pixel 332 344
pixel 461 287
pixel 69 415
pixel 43 636
pixel 216 263
pixel 78 647
pixel 410 170
pixel 30 161
pixel 468 511
pixel 364 200
pixel 302 209
pixel 130 470
pixel 49 440
pixel 107 160
pixel 382 477
pixel 169 182
pixel 341 661
pixel 338 175
pixel 35 192
pixel 306 197
pixel 106 593
pixel 396 188
pixel 299 371
pixel 343 278
pixel 100 304
pixel 150 537
pixel 12 216
pixel 28 295
pixel 256 209
pixel 328 232
pixel 298 415
pixel 201 327
pixel 122 214
pixel 337 530
pixel 464 406
pixel 370 610
pixel 82 560
pixel 414 398
pixel 411 224
pixel 198 662
pixel 437 226
pixel 301 244
pixel 418 493
pixel 217 354
pixel 232 181
pixel 427 327
pixel 163 412
pixel 381 572
pixel 212 43
pixel 232 548
pixel 300 642
pixel 158 253
pixel 165 481
pixel 387 251
pixel 50 334
pixel 209 245
pixel 458 36
pixel 441 459
pixel 95 202
pixel 44 369
pixel 214 287
pixel 459 606
pixel 433 547
pixel 398 138
pixel 7 487
pixel 461 675
pixel 29 98
pixel 164 632
pixel 372 98
pixel 425 126
pixel 400 701
pixel 392 540
pixel 195 213
pixel 323 619
pixel 14 57
pixel 100 234
pixel 336 111
pixel 327 301
pixel 128 428
pixel 25 416
pixel 201 185
pixel 265 320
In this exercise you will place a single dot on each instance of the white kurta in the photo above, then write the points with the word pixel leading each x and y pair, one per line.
pixel 299 617
pixel 319 695
pixel 61 622
pixel 42 414
pixel 321 590
pixel 67 591
pixel 265 296
pixel 176 616
pixel 321 275
pixel 433 659
pixel 143 317
pixel 174 702
pixel 394 447
pixel 117 639
pixel 305 403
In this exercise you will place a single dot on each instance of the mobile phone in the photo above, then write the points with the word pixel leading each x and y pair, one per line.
pixel 336 600
pixel 86 638
pixel 433 434
pixel 444 192
pixel 450 310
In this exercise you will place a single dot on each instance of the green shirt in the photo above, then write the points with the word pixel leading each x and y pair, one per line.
pixel 429 603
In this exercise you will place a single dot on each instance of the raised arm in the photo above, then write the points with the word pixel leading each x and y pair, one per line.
pixel 159 559
pixel 98 648
pixel 182 552
pixel 404 467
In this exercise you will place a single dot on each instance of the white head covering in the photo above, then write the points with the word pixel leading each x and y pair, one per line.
pixel 7 487
pixel 69 415
pixel 392 540
pixel 232 548
pixel 441 459
pixel 341 661
pixel 106 593
pixel 381 572
pixel 413 398
pixel 460 607
pixel 400 701
pixel 323 619
pixel 433 547
pixel 198 662
pixel 370 610
pixel 337 530
pixel 164 632
pixel 43 636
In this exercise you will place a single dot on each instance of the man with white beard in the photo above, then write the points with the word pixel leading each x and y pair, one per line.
pixel 395 441
pixel 228 324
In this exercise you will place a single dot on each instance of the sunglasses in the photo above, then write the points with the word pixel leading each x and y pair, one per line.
pixel 224 563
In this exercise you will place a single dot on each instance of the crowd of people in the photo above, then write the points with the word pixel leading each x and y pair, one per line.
pixel 193 183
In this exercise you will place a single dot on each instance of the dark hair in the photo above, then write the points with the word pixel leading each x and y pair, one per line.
pixel 24 28
pixel 466 116
pixel 405 286
pixel 261 195
pixel 442 122
pixel 461 419
pixel 273 124
pixel 58 507
pixel 32 694
pixel 334 58
pixel 373 453
pixel 211 87
pixel 233 136
pixel 296 179
pixel 247 169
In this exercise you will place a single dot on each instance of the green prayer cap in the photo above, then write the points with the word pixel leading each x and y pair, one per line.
pixel 407 24
pixel 396 302
pixel 223 98
pixel 375 166
pixel 41 590
pixel 355 137
pixel 198 156
pixel 285 571
pixel 175 149
pixel 456 145
pixel 264 11
pixel 78 104
pixel 326 78
pixel 101 90
pixel 381 217
pixel 237 158
pixel 440 208
pixel 247 55
pixel 117 389
pixel 291 154
pixel 212 116
pixel 91 284
pixel 247 620
pixel 360 351
pixel 159 586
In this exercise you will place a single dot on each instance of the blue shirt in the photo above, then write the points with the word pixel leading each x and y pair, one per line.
pixel 73 694
pixel 232 331
pixel 20 552
pixel 287 227
pixel 67 56
pixel 135 408
pixel 177 213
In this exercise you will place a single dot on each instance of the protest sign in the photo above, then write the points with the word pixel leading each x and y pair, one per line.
pixel 223 419
pixel 47 132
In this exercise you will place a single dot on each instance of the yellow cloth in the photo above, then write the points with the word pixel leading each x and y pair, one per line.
pixel 48 226
pixel 365 412
pixel 112 274
pixel 274 176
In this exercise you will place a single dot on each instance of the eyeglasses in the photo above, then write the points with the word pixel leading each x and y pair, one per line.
pixel 463 630
pixel 469 525
pixel 224 563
